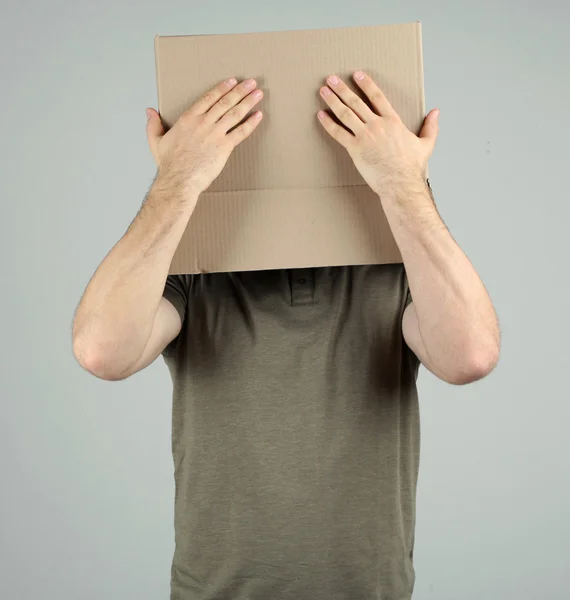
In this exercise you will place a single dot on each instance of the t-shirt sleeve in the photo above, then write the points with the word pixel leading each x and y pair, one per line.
pixel 176 292
pixel 407 291
pixel 409 299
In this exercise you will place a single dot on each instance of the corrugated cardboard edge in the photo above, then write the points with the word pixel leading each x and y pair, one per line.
pixel 421 61
pixel 156 59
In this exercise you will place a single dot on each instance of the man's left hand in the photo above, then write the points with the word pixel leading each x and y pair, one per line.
pixel 383 149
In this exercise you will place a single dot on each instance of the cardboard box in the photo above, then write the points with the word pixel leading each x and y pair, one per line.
pixel 289 196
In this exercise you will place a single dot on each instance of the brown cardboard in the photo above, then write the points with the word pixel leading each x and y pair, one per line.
pixel 289 196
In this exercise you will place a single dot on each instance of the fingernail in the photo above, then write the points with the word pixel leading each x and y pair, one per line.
pixel 321 114
pixel 325 91
pixel 148 113
pixel 333 79
pixel 231 81
pixel 257 94
pixel 258 115
pixel 250 83
pixel 359 75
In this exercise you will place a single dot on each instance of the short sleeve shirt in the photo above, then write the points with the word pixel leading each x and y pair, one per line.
pixel 295 435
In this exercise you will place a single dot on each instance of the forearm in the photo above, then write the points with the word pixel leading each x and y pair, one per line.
pixel 114 319
pixel 456 319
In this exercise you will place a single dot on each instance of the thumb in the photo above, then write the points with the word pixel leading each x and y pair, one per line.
pixel 430 127
pixel 154 130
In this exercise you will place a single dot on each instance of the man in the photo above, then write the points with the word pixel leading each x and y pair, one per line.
pixel 295 417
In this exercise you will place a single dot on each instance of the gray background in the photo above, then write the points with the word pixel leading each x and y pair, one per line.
pixel 87 477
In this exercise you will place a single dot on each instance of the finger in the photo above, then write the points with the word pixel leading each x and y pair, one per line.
pixel 344 113
pixel 350 98
pixel 244 130
pixel 341 135
pixel 154 130
pixel 430 128
pixel 238 112
pixel 375 95
pixel 205 103
pixel 229 100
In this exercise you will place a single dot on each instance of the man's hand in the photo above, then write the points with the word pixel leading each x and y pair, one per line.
pixel 383 149
pixel 193 153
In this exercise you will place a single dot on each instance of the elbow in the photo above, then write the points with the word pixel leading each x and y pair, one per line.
pixel 474 366
pixel 94 360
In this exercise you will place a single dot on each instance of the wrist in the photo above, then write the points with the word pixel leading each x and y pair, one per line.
pixel 401 185
pixel 173 188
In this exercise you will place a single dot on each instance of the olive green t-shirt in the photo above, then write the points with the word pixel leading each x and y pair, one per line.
pixel 295 435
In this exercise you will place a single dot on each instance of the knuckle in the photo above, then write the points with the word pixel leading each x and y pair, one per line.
pixel 242 130
pixel 376 132
pixel 185 118
pixel 208 98
pixel 345 113
pixel 225 101
pixel 377 96
pixel 233 113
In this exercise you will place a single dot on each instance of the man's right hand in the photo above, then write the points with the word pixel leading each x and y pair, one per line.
pixel 193 153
